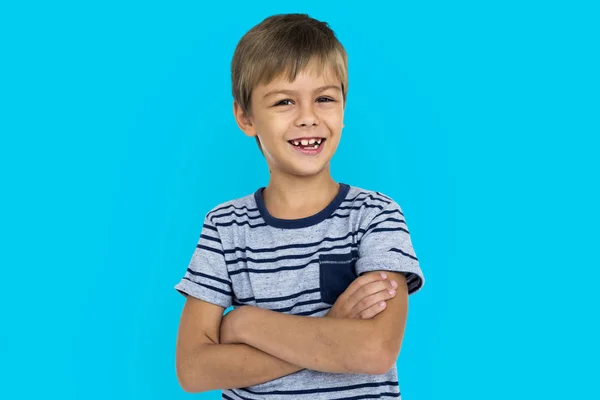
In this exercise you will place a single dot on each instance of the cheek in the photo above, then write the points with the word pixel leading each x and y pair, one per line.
pixel 274 126
pixel 332 114
pixel 335 123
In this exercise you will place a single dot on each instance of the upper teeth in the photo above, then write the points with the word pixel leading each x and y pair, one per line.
pixel 306 142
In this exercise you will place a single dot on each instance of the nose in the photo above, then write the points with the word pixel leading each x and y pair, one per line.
pixel 307 116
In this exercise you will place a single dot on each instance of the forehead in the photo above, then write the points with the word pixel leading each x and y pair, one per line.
pixel 313 75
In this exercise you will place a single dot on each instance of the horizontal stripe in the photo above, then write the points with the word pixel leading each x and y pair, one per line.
pixel 364 231
pixel 384 196
pixel 212 228
pixel 214 278
pixel 359 397
pixel 226 214
pixel 389 230
pixel 369 396
pixel 327 390
pixel 307 313
pixel 268 271
pixel 254 270
pixel 404 253
pixel 299 304
pixel 274 299
pixel 372 226
pixel 227 293
pixel 394 211
pixel 211 214
pixel 250 217
pixel 290 308
pixel 288 257
pixel 234 222
pixel 288 246
pixel 240 396
pixel 328 218
pixel 212 250
pixel 369 196
pixel 210 238
pixel 334 215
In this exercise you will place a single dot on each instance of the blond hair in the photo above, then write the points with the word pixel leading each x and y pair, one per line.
pixel 281 44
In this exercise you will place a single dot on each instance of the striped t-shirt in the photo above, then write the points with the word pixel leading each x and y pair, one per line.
pixel 245 256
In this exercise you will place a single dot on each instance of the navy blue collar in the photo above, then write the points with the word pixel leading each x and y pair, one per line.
pixel 301 222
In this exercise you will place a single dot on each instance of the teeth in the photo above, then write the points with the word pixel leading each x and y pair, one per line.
pixel 313 143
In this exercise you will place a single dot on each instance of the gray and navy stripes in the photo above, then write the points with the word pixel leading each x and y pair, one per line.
pixel 245 256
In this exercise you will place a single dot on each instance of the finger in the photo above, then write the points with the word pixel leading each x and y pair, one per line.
pixel 366 287
pixel 349 303
pixel 370 301
pixel 363 280
pixel 368 290
pixel 373 310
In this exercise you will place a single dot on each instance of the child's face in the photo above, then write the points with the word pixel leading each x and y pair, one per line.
pixel 309 110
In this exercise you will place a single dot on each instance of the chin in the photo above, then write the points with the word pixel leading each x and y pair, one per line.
pixel 307 171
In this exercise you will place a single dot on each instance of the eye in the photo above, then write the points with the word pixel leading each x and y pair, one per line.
pixel 282 102
pixel 325 99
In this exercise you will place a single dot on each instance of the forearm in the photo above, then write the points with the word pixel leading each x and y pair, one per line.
pixel 338 345
pixel 230 366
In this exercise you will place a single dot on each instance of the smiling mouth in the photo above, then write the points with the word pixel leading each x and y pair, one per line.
pixel 307 144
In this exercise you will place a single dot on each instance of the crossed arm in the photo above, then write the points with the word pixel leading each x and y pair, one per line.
pixel 277 344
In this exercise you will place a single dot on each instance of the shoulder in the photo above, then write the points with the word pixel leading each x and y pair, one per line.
pixel 371 204
pixel 369 199
pixel 232 209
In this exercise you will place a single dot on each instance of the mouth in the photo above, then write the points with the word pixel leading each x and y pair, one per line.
pixel 309 146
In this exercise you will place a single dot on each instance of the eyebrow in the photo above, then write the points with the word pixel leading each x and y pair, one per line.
pixel 321 89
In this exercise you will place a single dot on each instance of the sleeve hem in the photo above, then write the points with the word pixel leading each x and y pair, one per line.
pixel 187 288
pixel 393 264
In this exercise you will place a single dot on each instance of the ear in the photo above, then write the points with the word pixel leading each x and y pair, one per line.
pixel 243 121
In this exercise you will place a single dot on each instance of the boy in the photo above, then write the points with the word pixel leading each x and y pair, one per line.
pixel 318 272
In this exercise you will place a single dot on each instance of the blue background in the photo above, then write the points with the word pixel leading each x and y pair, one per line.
pixel 479 118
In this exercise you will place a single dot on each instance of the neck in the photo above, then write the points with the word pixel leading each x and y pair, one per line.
pixel 293 197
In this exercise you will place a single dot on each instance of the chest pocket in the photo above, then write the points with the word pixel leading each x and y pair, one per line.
pixel 336 273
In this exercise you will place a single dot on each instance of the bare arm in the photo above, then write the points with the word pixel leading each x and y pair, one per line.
pixel 325 344
pixel 204 364
pixel 206 361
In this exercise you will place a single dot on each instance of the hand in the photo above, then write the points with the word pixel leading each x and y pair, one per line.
pixel 229 327
pixel 365 297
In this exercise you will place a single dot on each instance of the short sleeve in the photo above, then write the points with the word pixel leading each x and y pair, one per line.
pixel 386 245
pixel 206 277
